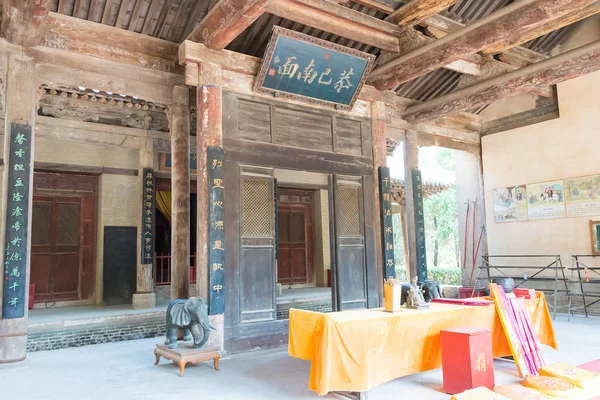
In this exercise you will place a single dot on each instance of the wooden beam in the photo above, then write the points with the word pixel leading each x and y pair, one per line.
pixel 569 65
pixel 97 40
pixel 505 24
pixel 372 4
pixel 226 21
pixel 23 21
pixel 416 11
pixel 528 35
pixel 339 20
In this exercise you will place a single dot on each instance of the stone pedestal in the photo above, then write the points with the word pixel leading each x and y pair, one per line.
pixel 144 300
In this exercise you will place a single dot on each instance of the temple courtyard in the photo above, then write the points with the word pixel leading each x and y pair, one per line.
pixel 125 370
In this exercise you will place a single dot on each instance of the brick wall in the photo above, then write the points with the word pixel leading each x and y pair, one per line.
pixel 104 330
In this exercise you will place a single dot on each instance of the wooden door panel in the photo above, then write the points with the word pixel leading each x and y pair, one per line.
pixel 350 243
pixel 257 246
pixel 40 275
pixel 65 282
pixel 63 236
pixel 257 284
pixel 283 264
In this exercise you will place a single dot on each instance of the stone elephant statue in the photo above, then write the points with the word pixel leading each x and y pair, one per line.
pixel 191 316
pixel 431 290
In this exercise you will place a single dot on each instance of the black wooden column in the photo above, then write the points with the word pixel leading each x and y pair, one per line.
pixel 216 231
pixel 387 230
pixel 419 225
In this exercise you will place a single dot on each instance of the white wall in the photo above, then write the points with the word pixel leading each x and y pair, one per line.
pixel 557 149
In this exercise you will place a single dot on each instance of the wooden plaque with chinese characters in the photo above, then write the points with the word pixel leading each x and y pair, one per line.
pixel 216 231
pixel 385 195
pixel 17 211
pixel 419 225
pixel 148 216
pixel 305 68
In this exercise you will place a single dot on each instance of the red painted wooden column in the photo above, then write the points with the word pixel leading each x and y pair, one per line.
pixel 210 133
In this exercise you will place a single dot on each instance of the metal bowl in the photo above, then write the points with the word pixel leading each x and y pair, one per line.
pixel 507 283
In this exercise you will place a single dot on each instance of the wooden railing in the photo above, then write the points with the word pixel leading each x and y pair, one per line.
pixel 162 269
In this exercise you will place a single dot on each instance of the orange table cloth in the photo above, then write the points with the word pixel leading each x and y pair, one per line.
pixel 359 350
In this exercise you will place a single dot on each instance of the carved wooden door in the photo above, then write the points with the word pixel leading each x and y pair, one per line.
pixel 351 258
pixel 294 241
pixel 63 233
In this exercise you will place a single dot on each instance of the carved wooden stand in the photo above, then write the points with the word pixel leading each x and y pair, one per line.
pixel 184 355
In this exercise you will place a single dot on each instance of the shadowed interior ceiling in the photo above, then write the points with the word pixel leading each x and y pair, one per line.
pixel 173 20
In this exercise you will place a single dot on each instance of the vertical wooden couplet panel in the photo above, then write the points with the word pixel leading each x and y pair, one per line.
pixel 120 266
pixel 257 246
pixel 387 230
pixel 216 230
pixel 16 229
pixel 148 216
pixel 419 225
pixel 351 266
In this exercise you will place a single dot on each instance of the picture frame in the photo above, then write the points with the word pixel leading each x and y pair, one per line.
pixel 595 237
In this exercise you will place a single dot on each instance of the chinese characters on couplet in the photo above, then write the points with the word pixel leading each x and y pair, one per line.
pixel 385 195
pixel 292 69
pixel 148 215
pixel 420 224
pixel 216 231
pixel 17 205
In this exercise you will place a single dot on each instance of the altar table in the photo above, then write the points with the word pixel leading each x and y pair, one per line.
pixel 355 351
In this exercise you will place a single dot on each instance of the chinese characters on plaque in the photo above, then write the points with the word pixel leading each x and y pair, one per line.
pixel 385 195
pixel 166 161
pixel 419 225
pixel 148 210
pixel 17 211
pixel 314 70
pixel 216 231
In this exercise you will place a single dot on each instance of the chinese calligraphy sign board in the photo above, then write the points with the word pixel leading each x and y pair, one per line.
pixel 305 68
pixel 166 162
pixel 148 216
pixel 385 195
pixel 216 231
pixel 17 212
pixel 419 225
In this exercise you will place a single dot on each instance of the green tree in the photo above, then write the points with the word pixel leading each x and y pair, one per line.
pixel 441 226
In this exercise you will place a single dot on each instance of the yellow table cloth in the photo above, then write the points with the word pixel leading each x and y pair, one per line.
pixel 359 350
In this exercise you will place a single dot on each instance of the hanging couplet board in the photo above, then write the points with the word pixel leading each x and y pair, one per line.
pixel 385 195
pixel 419 225
pixel 148 216
pixel 312 70
pixel 216 231
pixel 17 212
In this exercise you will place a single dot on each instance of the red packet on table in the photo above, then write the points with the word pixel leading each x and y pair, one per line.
pixel 526 293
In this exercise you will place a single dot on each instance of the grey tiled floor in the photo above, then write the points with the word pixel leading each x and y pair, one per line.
pixel 125 371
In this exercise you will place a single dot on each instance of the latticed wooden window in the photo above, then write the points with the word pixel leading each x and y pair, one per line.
pixel 257 207
pixel 349 210
pixel 40 224
pixel 67 228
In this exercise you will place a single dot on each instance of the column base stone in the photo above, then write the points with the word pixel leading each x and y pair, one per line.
pixel 12 350
pixel 144 300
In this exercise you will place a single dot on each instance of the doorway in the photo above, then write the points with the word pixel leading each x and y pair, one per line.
pixel 63 237
pixel 295 260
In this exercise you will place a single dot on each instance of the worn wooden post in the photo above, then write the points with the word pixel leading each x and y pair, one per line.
pixel 209 101
pixel 411 161
pixel 20 109
pixel 210 133
pixel 180 189
pixel 379 160
pixel 144 297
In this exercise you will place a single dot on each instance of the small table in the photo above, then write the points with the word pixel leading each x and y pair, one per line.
pixel 184 355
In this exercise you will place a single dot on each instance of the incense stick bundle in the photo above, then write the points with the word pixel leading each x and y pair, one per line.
pixel 518 328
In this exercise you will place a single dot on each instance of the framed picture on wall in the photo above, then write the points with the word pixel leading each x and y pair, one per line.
pixel 595 236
